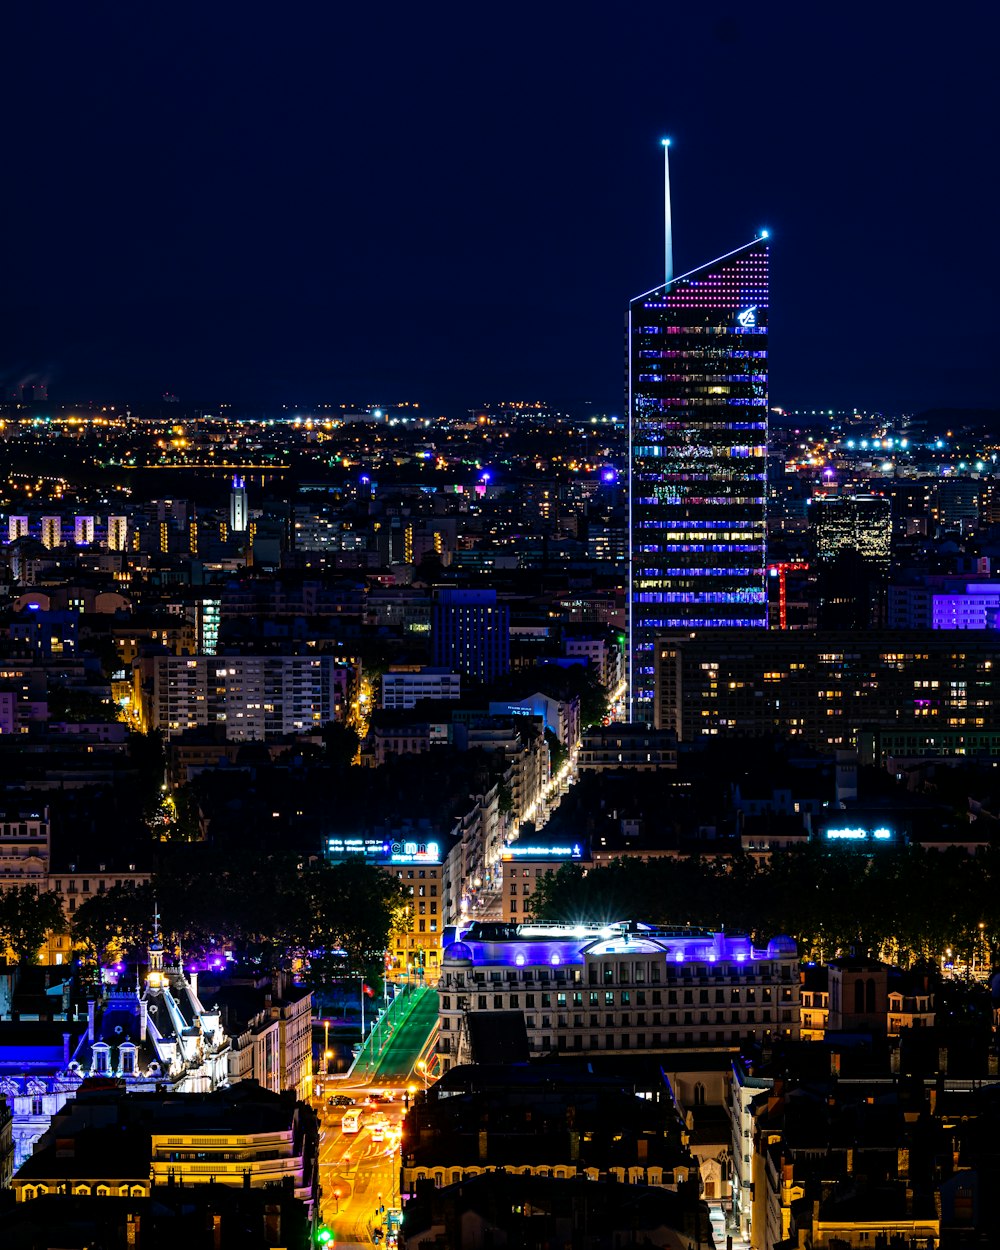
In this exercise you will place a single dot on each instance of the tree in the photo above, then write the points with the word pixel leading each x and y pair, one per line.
pixel 355 907
pixel 341 742
pixel 115 924
pixel 26 916
pixel 558 754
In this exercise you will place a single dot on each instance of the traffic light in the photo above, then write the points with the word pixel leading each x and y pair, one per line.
pixel 324 1236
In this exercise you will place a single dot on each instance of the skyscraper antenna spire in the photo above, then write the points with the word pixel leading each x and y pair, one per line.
pixel 668 235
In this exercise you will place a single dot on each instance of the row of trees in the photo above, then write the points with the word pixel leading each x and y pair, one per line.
pixel 339 918
pixel 902 904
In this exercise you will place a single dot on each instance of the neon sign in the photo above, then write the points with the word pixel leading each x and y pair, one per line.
pixel 398 851
pixel 859 835
pixel 543 852
pixel 415 852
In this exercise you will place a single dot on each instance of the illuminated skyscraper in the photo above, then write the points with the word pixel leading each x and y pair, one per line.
pixel 239 515
pixel 697 363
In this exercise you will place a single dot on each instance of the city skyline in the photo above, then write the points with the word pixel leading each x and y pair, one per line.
pixel 288 211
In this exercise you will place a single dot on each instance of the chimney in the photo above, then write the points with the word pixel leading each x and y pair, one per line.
pixel 143 1018
pixel 193 978
pixel 91 1009
pixel 66 1040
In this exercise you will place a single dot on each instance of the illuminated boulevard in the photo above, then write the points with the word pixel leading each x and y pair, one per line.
pixel 359 1175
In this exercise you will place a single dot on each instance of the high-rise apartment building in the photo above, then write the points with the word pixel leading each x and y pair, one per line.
pixel 117 533
pixel 51 531
pixel 825 688
pixel 254 696
pixel 697 383
pixel 17 527
pixel 84 530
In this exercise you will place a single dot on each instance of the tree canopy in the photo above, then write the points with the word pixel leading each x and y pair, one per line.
pixel 26 916
pixel 337 918
pixel 904 904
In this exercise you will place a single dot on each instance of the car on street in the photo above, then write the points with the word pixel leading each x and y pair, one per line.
pixel 374 1099
pixel 341 1100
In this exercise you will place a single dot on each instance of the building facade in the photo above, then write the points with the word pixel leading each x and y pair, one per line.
pixel 625 987
pixel 470 632
pixel 402 688
pixel 254 696
pixel 861 523
pixel 239 513
pixel 826 689
pixel 697 379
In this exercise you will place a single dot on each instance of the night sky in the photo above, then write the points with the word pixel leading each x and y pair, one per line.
pixel 303 202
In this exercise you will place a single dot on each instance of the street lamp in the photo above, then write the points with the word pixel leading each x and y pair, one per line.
pixel 422 1067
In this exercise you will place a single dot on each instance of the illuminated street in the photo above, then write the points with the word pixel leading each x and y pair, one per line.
pixel 359 1175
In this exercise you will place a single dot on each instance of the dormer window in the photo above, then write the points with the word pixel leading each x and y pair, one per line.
pixel 101 1065
pixel 127 1053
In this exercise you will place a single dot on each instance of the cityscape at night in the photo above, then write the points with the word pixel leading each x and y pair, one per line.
pixel 499 613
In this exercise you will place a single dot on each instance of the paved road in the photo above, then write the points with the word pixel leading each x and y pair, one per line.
pixel 402 1048
pixel 358 1176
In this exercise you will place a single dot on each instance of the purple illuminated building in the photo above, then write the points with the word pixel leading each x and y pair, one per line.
pixel 697 361
pixel 624 986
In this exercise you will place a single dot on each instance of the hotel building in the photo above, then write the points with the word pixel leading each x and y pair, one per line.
pixel 624 987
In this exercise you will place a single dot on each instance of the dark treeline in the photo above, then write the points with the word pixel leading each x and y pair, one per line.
pixel 905 904
pixel 336 918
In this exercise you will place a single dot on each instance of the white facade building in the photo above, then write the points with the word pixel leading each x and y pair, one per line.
pixel 84 530
pixel 626 986
pixel 117 533
pixel 405 687
pixel 239 513
pixel 254 696
pixel 51 531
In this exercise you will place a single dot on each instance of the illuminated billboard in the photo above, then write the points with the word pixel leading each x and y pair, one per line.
pixel 397 850
pixel 526 851
pixel 855 834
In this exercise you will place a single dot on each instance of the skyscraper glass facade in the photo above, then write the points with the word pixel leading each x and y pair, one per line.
pixel 697 377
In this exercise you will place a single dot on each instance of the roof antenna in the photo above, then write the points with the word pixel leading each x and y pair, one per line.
pixel 668 237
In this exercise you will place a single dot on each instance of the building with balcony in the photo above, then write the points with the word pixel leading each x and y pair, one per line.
pixel 828 688
pixel 624 987
pixel 109 1143
pixel 404 687
pixel 254 696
